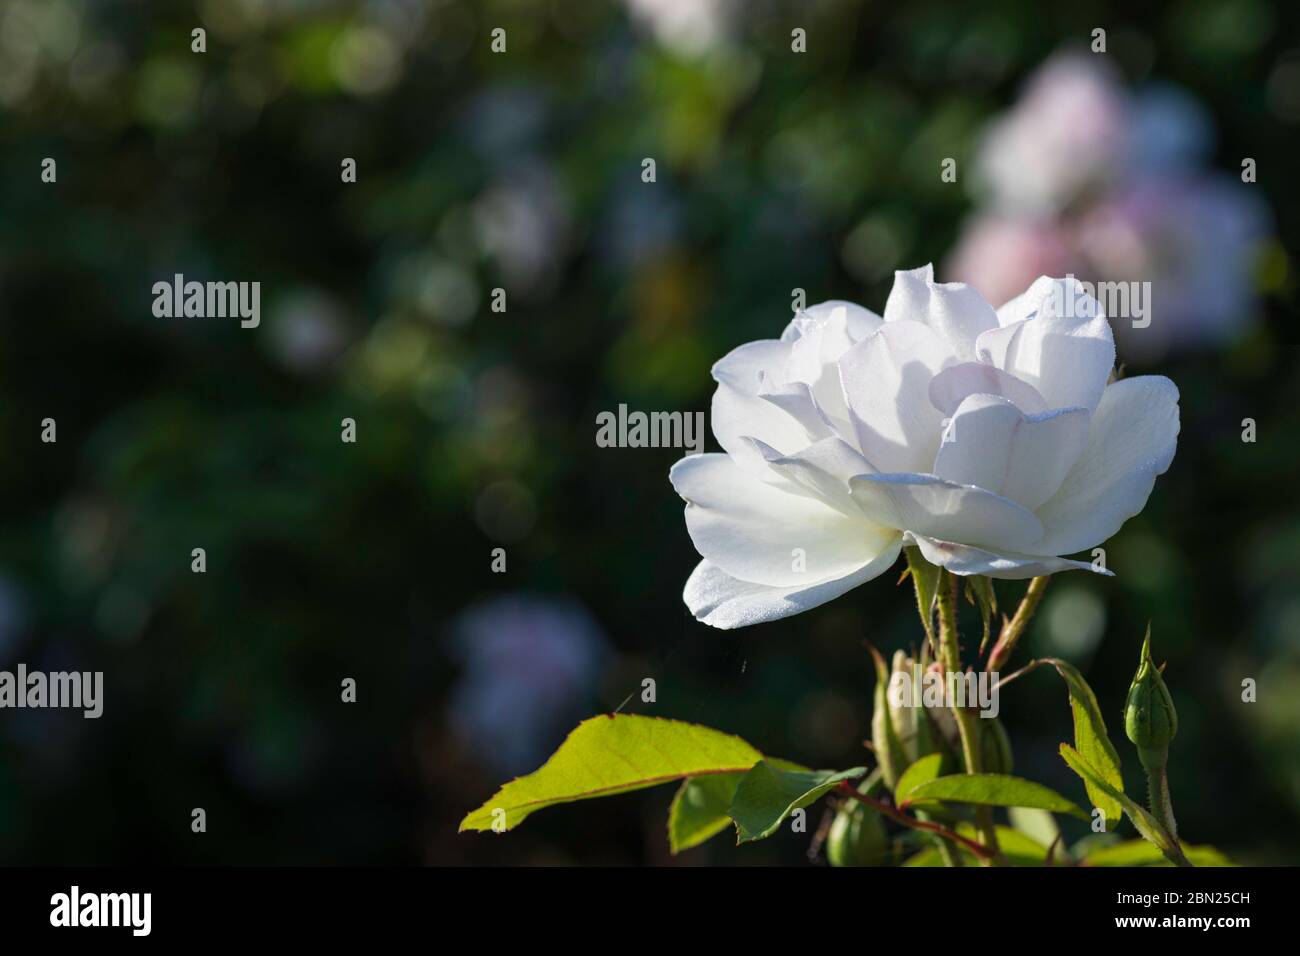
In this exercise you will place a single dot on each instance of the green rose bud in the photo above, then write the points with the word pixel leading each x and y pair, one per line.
pixel 857 837
pixel 995 746
pixel 1150 720
pixel 902 730
pixel 891 756
pixel 913 729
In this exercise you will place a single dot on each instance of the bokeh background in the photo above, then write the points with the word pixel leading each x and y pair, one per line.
pixel 521 171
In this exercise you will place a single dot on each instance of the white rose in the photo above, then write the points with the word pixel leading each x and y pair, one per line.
pixel 993 441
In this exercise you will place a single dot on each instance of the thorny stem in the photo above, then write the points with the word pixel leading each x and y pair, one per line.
pixel 1163 810
pixel 967 722
pixel 1014 629
pixel 979 849
pixel 1031 666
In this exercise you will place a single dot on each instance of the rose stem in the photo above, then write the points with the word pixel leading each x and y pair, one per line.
pixel 1015 628
pixel 967 722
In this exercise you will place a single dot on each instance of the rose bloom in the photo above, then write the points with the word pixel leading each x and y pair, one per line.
pixel 994 441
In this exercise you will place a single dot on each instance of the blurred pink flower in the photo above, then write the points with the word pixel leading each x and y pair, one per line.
pixel 1002 256
pixel 1064 137
pixel 1082 178
pixel 1194 239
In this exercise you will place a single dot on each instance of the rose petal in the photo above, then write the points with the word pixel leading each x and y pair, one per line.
pixel 887 387
pixel 928 505
pixel 721 601
pixel 1040 296
pixel 818 336
pixel 955 311
pixel 964 559
pixel 847 323
pixel 796 399
pixel 744 366
pixel 736 417
pixel 821 470
pixel 751 529
pixel 1067 360
pixel 1132 440
pixel 992 444
pixel 956 382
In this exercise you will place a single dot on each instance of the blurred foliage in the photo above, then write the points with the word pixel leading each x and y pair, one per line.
pixel 522 171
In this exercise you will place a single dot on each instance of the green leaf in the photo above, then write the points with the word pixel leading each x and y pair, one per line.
pixel 923 771
pixel 1145 824
pixel 1040 826
pixel 615 753
pixel 925 576
pixel 930 856
pixel 699 808
pixel 767 795
pixel 1092 742
pixel 995 790
pixel 1142 853
pixel 1017 849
